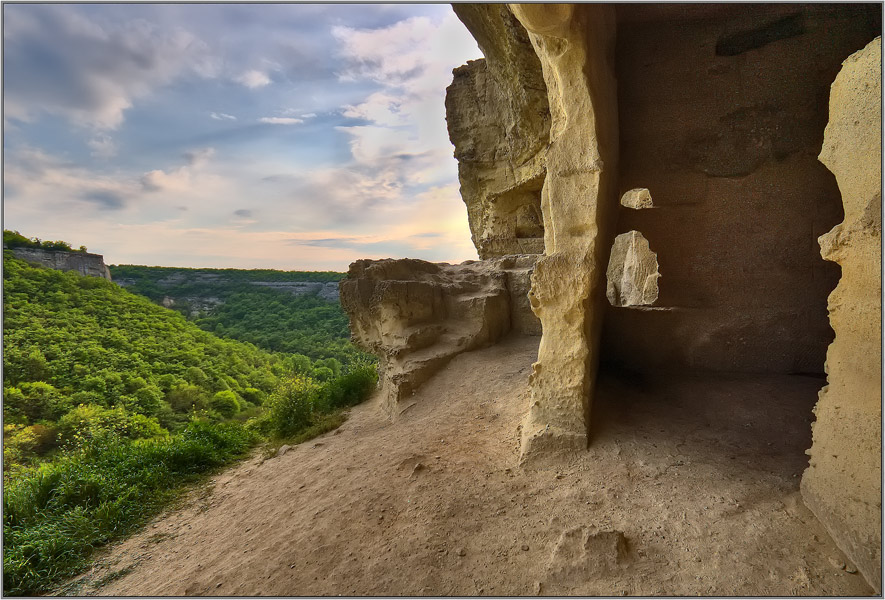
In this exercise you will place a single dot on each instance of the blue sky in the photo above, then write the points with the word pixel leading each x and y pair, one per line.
pixel 289 136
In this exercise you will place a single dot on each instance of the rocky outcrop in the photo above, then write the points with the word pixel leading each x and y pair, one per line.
pixel 843 482
pixel 499 121
pixel 85 263
pixel 416 315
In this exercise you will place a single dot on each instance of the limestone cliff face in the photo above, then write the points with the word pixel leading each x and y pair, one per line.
pixel 499 122
pixel 416 315
pixel 85 263
pixel 843 483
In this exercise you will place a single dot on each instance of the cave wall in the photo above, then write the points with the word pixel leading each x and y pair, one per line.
pixel 843 482
pixel 722 111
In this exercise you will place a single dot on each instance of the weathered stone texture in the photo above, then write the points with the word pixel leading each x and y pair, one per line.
pixel 416 315
pixel 85 263
pixel 632 272
pixel 498 120
pixel 575 44
pixel 638 198
pixel 843 483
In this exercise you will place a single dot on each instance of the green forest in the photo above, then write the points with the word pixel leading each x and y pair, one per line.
pixel 112 403
pixel 271 319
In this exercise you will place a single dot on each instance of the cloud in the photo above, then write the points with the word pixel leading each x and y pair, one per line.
pixel 90 71
pixel 253 79
pixel 102 146
pixel 222 117
pixel 47 185
pixel 281 120
pixel 412 62
pixel 244 213
pixel 308 115
pixel 180 179
pixel 105 199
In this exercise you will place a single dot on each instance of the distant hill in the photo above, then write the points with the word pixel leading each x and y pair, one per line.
pixel 283 311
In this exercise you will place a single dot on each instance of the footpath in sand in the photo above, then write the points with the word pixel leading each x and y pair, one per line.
pixel 688 488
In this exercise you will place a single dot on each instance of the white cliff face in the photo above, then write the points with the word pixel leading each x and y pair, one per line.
pixel 91 265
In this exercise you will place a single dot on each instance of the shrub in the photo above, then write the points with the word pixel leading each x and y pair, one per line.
pixel 291 406
pixel 352 388
pixel 146 400
pixel 22 442
pixel 254 395
pixel 186 397
pixel 225 403
pixel 91 422
pixel 322 374
pixel 37 400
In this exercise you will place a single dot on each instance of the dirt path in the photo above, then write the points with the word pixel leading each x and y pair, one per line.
pixel 689 488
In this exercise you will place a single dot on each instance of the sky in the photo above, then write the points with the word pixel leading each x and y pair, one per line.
pixel 285 136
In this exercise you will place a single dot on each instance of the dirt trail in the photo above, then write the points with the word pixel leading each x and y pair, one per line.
pixel 695 478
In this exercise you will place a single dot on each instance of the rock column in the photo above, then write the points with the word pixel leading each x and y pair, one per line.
pixel 579 204
pixel 843 483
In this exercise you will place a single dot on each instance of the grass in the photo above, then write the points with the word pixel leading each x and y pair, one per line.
pixel 54 516
pixel 323 424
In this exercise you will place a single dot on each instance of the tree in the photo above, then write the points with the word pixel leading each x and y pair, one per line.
pixel 225 403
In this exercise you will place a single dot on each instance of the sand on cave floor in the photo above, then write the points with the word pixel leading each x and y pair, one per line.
pixel 690 486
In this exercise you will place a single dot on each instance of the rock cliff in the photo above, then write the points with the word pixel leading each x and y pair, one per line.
pixel 499 123
pixel 85 263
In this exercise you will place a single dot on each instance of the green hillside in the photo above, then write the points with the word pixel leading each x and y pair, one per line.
pixel 112 403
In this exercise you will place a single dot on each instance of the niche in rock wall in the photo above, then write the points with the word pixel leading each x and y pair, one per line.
pixel 513 222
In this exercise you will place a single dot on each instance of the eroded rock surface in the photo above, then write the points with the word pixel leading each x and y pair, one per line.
pixel 416 315
pixel 499 121
pixel 632 271
pixel 579 202
pixel 843 483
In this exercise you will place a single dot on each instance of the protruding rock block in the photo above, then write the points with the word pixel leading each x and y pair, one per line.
pixel 637 199
pixel 843 483
pixel 416 315
pixel 632 272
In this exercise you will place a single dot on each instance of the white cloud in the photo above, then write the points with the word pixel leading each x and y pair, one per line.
pixel 182 180
pixel 222 117
pixel 253 79
pixel 308 115
pixel 281 120
pixel 412 61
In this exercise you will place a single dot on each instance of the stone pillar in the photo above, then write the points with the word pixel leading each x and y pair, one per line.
pixel 843 482
pixel 579 204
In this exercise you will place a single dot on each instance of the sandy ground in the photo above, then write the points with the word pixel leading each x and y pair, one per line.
pixel 690 487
